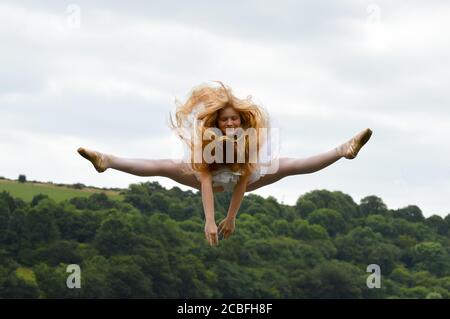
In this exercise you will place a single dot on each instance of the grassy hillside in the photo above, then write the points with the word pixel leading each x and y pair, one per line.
pixel 27 191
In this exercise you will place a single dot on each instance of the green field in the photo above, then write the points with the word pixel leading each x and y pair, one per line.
pixel 27 191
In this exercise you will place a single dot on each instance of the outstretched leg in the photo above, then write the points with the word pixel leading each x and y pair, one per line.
pixel 295 166
pixel 171 168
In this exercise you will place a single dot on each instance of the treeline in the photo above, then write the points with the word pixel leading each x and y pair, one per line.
pixel 151 245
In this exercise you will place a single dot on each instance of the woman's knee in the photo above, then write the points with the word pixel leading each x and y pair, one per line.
pixel 170 167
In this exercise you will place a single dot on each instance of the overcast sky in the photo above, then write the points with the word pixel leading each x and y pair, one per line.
pixel 104 75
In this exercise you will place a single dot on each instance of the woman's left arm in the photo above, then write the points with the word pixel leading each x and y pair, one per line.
pixel 227 225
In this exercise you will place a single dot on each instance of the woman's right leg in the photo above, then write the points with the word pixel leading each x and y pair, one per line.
pixel 170 168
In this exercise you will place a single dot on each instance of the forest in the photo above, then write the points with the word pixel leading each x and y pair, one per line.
pixel 151 245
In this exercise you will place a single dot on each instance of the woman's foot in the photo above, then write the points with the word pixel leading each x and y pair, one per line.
pixel 99 160
pixel 350 149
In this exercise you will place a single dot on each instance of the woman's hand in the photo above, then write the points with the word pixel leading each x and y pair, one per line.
pixel 208 206
pixel 227 226
pixel 211 233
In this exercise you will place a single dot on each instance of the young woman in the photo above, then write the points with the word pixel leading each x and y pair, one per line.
pixel 213 123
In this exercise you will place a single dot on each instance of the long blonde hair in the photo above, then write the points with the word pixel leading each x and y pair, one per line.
pixel 200 112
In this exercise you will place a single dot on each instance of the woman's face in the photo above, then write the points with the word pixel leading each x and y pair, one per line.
pixel 228 118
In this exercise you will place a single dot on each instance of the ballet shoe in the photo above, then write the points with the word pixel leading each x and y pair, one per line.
pixel 351 149
pixel 97 159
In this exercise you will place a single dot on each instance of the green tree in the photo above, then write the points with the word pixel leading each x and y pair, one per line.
pixel 127 280
pixel 438 224
pixel 364 247
pixel 155 263
pixel 333 280
pixel 114 237
pixel 233 281
pixel 329 219
pixel 37 198
pixel 302 229
pixel 372 205
pixel 61 251
pixel 40 225
pixel 196 280
pixel 95 283
pixel 281 227
pixel 380 224
pixel 410 213
pixel 338 201
pixel 432 256
pixel 304 207
pixel 5 216
pixel 53 282
pixel 11 286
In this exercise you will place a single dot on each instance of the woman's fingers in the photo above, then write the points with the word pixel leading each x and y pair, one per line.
pixel 215 240
pixel 212 239
pixel 223 229
pixel 227 233
pixel 221 226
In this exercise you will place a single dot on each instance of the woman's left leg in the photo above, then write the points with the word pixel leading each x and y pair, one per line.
pixel 296 166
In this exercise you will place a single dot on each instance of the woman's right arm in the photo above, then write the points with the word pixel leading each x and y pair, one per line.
pixel 208 207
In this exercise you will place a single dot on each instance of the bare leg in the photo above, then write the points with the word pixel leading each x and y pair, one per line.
pixel 170 168
pixel 296 166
